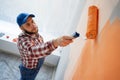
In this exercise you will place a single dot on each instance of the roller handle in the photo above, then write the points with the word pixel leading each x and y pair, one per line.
pixel 75 34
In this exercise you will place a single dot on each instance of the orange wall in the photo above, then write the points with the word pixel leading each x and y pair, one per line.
pixel 100 59
pixel 97 59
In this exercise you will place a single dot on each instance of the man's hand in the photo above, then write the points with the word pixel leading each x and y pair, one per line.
pixel 63 41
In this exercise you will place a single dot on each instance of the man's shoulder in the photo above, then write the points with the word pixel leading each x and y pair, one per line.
pixel 23 36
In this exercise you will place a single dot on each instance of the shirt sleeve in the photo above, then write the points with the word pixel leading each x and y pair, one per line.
pixel 37 50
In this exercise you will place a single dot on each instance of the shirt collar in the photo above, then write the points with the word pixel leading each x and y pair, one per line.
pixel 30 35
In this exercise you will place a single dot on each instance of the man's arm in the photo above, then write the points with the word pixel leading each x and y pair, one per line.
pixel 43 49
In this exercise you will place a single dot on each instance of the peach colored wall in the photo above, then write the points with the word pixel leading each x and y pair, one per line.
pixel 100 58
pixel 96 59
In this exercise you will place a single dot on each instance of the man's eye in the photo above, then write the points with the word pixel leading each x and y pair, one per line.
pixel 28 24
pixel 33 21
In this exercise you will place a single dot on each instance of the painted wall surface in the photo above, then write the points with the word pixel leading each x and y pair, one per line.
pixel 97 59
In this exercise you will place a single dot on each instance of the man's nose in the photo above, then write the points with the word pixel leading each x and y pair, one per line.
pixel 33 25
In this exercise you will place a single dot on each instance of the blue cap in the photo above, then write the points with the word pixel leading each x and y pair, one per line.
pixel 22 18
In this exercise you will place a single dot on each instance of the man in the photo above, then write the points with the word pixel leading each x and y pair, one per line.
pixel 32 48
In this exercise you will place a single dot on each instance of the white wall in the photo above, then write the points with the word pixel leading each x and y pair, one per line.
pixel 65 55
pixel 52 16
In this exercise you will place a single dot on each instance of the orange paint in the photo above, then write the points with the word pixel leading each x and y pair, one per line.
pixel 15 40
pixel 100 58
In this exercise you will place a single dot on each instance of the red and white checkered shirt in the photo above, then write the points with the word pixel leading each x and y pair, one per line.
pixel 32 48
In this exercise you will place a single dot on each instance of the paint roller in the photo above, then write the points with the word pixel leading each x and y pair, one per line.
pixel 92 25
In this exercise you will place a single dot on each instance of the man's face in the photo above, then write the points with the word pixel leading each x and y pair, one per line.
pixel 30 26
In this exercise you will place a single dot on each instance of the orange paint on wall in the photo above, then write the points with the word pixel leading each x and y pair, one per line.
pixel 100 58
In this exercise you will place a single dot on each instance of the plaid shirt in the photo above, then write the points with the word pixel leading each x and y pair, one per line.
pixel 32 48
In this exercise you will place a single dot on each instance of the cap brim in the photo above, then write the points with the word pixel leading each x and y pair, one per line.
pixel 30 15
